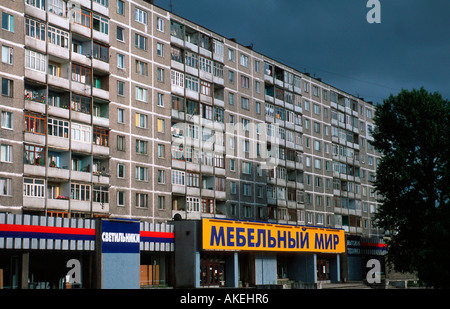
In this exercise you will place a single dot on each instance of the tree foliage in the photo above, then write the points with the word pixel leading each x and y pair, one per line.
pixel 412 133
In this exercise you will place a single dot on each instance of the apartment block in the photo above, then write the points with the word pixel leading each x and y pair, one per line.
pixel 122 110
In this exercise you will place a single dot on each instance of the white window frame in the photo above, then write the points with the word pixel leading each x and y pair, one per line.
pixel 81 133
pixel 141 173
pixel 6 153
pixel 140 16
pixel 34 188
pixel 7 55
pixel 5 186
pixel 35 61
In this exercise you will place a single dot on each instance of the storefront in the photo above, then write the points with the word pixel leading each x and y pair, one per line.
pixel 362 254
pixel 232 253
pixel 58 253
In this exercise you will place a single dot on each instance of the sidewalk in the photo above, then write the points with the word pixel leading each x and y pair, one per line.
pixel 348 285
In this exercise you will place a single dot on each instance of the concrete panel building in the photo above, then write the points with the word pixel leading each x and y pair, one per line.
pixel 122 110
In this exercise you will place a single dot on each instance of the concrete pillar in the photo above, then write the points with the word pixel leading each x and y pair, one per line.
pixel 335 269
pixel 232 271
pixel 315 267
pixel 25 270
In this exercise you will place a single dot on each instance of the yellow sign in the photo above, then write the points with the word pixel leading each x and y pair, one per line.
pixel 253 236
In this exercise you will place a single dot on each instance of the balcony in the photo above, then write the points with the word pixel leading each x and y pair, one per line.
pixel 101 113
pixel 58 173
pixel 34 202
pixel 35 12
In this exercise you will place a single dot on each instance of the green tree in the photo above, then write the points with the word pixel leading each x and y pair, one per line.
pixel 412 133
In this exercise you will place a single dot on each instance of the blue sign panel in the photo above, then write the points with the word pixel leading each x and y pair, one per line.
pixel 120 236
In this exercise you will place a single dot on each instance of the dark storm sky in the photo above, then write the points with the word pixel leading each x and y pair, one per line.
pixel 332 39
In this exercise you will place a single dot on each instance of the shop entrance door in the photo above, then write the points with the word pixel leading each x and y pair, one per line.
pixel 323 270
pixel 212 271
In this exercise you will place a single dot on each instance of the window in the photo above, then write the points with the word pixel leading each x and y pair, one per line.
pixel 40 4
pixel 177 78
pixel 231 54
pixel 33 187
pixel 6 154
pixel 5 186
pixel 101 137
pixel 81 133
pixel 120 91
pixel 81 103
pixel 205 88
pixel 218 47
pixel 7 22
pixel 140 16
pixel 141 200
pixel 59 128
pixel 192 204
pixel 7 55
pixel 57 7
pixel 219 114
pixel 141 94
pixel 120 198
pixel 141 147
pixel 7 120
pixel 159 49
pixel 120 36
pixel 244 103
pixel 178 177
pixel 35 61
pixel 218 70
pixel 160 99
pixel 81 74
pixel 232 165
pixel 120 7
pixel 205 65
pixel 140 41
pixel 81 16
pixel 120 61
pixel 245 82
pixel 34 123
pixel 257 66
pixel 191 59
pixel 80 192
pixel 100 24
pixel 7 88
pixel 161 202
pixel 54 69
pixel 192 83
pixel 100 194
pixel 231 77
pixel 246 168
pixel 120 143
pixel 141 67
pixel 160 74
pixel 192 179
pixel 159 24
pixel 244 60
pixel 34 155
pixel 160 125
pixel 141 121
pixel 161 150
pixel 141 173
pixel 58 37
pixel 161 176
pixel 120 170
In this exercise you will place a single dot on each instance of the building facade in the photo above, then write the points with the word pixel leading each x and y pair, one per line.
pixel 122 110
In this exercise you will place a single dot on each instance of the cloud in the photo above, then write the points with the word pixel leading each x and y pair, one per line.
pixel 333 39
